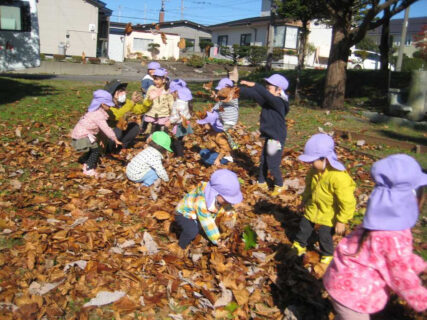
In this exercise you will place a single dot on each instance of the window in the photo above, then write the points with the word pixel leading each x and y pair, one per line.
pixel 245 39
pixel 15 16
pixel 286 37
pixel 222 41
pixel 189 45
pixel 140 44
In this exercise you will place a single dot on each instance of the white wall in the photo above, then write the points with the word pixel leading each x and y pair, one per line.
pixel 168 50
pixel 116 47
pixel 188 32
pixel 59 17
pixel 321 37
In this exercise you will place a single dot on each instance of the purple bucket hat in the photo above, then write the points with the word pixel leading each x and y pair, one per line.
pixel 224 83
pixel 177 84
pixel 184 94
pixel 212 118
pixel 278 81
pixel 100 97
pixel 225 183
pixel 161 72
pixel 393 205
pixel 153 66
pixel 318 146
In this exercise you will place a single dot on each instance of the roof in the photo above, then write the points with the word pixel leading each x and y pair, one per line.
pixel 166 24
pixel 414 26
pixel 241 22
pixel 102 6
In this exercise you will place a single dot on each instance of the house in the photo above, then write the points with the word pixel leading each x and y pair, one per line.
pixel 72 27
pixel 137 44
pixel 255 32
pixel 415 25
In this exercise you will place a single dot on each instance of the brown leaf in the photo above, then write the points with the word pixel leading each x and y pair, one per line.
pixel 241 296
pixel 28 311
pixel 164 39
pixel 125 304
pixel 31 258
pixel 161 215
pixel 16 184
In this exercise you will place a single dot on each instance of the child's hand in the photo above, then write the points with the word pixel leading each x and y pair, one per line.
pixel 217 162
pixel 247 83
pixel 167 124
pixel 118 143
pixel 136 97
pixel 339 228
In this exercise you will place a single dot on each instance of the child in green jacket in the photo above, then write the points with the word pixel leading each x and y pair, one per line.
pixel 328 197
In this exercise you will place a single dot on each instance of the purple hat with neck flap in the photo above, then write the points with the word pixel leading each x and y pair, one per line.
pixel 225 183
pixel 212 118
pixel 100 97
pixel 184 94
pixel 278 80
pixel 319 146
pixel 153 65
pixel 177 84
pixel 224 83
pixel 393 203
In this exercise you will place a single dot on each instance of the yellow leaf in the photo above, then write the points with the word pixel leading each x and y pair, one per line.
pixel 241 295
pixel 31 258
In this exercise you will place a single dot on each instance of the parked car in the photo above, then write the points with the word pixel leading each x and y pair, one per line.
pixel 371 62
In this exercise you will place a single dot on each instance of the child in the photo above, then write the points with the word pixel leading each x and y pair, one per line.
pixel 162 100
pixel 147 81
pixel 328 196
pixel 217 150
pixel 377 257
pixel 180 115
pixel 87 128
pixel 275 106
pixel 227 107
pixel 146 167
pixel 199 208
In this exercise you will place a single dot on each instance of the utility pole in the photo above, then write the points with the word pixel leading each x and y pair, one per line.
pixel 270 38
pixel 182 9
pixel 402 40
pixel 120 13
pixel 145 13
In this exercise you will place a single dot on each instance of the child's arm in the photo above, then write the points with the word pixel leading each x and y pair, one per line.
pixel 209 226
pixel 102 124
pixel 343 188
pixel 251 94
pixel 272 101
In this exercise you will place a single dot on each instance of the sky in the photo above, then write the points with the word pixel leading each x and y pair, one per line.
pixel 205 12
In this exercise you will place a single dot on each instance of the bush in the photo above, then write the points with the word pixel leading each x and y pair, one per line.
pixel 257 54
pixel 411 64
pixel 219 61
pixel 77 59
pixel 171 59
pixel 111 62
pixel 42 57
pixel 58 57
pixel 196 61
pixel 94 60
pixel 278 54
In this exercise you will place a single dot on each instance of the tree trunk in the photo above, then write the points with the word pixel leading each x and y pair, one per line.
pixel 336 76
pixel 301 58
pixel 385 50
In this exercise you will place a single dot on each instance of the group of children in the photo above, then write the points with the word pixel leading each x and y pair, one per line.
pixel 370 261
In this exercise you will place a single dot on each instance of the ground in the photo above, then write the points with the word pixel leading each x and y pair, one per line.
pixel 123 236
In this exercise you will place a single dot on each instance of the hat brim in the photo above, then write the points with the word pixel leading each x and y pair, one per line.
pixel 168 149
pixel 109 103
pixel 203 121
pixel 307 158
pixel 234 199
pixel 422 181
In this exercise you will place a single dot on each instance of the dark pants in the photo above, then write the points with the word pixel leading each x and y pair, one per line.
pixel 178 146
pixel 271 163
pixel 325 236
pixel 190 229
pixel 91 158
pixel 126 137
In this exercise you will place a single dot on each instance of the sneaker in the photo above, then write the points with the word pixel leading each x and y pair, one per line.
pixel 300 249
pixel 91 173
pixel 326 259
pixel 228 158
pixel 263 186
pixel 277 190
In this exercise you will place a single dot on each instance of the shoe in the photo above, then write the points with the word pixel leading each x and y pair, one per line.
pixel 300 250
pixel 326 259
pixel 228 158
pixel 90 173
pixel 263 186
pixel 277 190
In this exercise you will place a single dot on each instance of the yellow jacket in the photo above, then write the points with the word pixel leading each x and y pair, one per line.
pixel 129 106
pixel 329 197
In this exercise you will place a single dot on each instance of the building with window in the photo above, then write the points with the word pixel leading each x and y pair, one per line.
pixel 415 25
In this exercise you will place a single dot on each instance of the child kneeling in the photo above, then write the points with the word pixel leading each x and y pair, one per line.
pixel 328 197
pixel 146 167
pixel 199 208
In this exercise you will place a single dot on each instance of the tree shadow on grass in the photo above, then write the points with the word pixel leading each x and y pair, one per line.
pixel 403 137
pixel 12 90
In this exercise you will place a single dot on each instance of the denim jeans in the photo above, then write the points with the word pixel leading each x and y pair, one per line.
pixel 149 178
pixel 209 157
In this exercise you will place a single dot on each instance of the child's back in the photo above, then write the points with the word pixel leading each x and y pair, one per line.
pixel 147 159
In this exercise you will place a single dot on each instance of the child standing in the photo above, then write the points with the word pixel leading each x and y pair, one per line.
pixel 328 196
pixel 217 150
pixel 275 106
pixel 148 80
pixel 162 100
pixel 146 167
pixel 180 115
pixel 377 257
pixel 87 128
pixel 199 208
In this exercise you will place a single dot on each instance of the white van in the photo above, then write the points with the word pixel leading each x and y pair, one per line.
pixel 372 61
pixel 19 35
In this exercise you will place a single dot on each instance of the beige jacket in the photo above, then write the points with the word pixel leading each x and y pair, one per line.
pixel 162 106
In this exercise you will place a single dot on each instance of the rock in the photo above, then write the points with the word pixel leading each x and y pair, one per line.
pixel 360 143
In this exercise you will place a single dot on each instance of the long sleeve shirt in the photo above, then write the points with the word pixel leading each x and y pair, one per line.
pixel 329 196
pixel 385 262
pixel 228 112
pixel 91 123
pixel 162 105
pixel 274 110
pixel 147 159
pixel 193 206
pixel 179 110
pixel 116 113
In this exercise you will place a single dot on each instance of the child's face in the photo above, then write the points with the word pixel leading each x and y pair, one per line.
pixel 105 107
pixel 151 72
pixel 159 82
pixel 275 91
pixel 221 201
pixel 319 164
